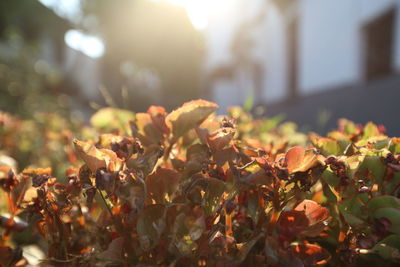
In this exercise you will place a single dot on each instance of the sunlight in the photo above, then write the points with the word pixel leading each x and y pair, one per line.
pixel 89 45
pixel 200 11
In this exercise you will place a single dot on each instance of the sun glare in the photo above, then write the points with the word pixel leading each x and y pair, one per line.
pixel 91 46
pixel 200 11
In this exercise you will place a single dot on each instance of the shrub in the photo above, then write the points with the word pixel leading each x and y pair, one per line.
pixel 189 188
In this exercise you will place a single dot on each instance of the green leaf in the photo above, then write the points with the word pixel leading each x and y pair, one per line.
pixel 330 178
pixel 375 165
pixel 389 247
pixel 248 103
pixel 382 202
pixel 394 145
pixel 329 193
pixel 350 218
pixel 272 123
pixel 370 130
pixel 349 126
pixel 392 214
pixel 352 212
pixel 327 146
pixel 188 116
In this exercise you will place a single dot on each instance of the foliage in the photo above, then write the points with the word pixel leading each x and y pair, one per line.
pixel 189 188
pixel 30 59
pixel 44 141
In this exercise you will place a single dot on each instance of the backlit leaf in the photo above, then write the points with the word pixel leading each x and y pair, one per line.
pixel 300 160
pixel 188 116
pixel 314 212
pixel 95 158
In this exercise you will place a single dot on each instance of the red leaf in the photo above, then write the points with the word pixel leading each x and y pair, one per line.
pixel 162 184
pixel 291 223
pixel 314 212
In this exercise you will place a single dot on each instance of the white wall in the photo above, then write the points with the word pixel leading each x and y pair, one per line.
pixel 219 35
pixel 331 41
pixel 329 44
pixel 274 54
pixel 269 48
pixel 329 48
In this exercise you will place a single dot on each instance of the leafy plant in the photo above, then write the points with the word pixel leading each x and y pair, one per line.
pixel 189 188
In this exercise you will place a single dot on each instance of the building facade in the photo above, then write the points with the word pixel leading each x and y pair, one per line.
pixel 286 50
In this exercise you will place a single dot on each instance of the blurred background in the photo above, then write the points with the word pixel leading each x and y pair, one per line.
pixel 310 61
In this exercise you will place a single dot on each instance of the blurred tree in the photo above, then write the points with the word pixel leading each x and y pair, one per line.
pixel 31 48
pixel 146 42
pixel 153 36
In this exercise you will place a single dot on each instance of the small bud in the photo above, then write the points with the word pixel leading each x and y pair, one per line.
pixel 38 180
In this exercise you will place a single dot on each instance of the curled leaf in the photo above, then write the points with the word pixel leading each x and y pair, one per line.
pixel 90 155
pixel 221 138
pixel 189 115
pixel 96 158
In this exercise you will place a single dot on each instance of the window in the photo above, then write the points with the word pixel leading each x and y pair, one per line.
pixel 379 38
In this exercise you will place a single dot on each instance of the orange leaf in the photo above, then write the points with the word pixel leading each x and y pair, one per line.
pixel 314 212
pixel 300 160
pixel 189 115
